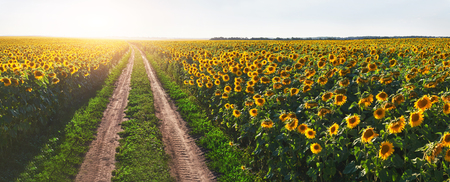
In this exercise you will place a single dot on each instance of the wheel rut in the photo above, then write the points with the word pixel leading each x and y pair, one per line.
pixel 100 158
pixel 188 162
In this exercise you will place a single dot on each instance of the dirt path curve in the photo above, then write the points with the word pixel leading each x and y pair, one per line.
pixel 188 162
pixel 100 159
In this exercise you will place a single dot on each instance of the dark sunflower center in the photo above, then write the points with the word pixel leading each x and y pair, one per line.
pixel 385 149
pixel 302 127
pixel 379 112
pixel 415 117
pixel 352 120
pixel 368 134
pixel 310 132
pixel 316 147
pixel 333 129
pixel 422 103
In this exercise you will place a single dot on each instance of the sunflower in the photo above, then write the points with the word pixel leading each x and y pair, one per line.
pixel 327 96
pixel 386 150
pixel 382 96
pixel 388 106
pixel 310 105
pixel 14 81
pixel 227 106
pixel 446 108
pixel 29 89
pixel 416 118
pixel 267 123
pixel 306 88
pixel 397 126
pixel 249 103
pixel 333 130
pixel 269 93
pixel 310 133
pixel 225 78
pixel 6 81
pixel 367 135
pixel 372 67
pixel 250 90
pixel 277 86
pixel 392 62
pixel 323 111
pixel 217 82
pixel 294 91
pixel 447 155
pixel 260 101
pixel 340 99
pixel 398 99
pixel 302 128
pixel 253 112
pixel 446 140
pixel 236 113
pixel 283 117
pixel 366 101
pixel 315 148
pixel 423 103
pixel 344 83
pixel 352 121
pixel 38 74
pixel 434 99
pixel 379 113
pixel 227 89
pixel 225 95
pixel 292 124
pixel 322 80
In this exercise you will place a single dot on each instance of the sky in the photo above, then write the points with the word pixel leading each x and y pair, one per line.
pixel 224 18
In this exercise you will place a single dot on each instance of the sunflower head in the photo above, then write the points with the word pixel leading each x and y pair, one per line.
pixel 352 121
pixel 267 123
pixel 291 124
pixel 236 113
pixel 382 96
pixel 260 101
pixel 302 128
pixel 333 130
pixel 423 103
pixel 446 108
pixel 416 118
pixel 368 135
pixel 379 113
pixel 38 74
pixel 310 133
pixel 253 112
pixel 386 150
pixel 327 96
pixel 446 139
pixel 340 99
pixel 315 148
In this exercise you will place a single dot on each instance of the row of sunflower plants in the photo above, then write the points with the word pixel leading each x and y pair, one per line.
pixel 374 110
pixel 60 158
pixel 40 75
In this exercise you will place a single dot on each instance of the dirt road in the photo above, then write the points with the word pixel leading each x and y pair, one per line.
pixel 99 161
pixel 188 162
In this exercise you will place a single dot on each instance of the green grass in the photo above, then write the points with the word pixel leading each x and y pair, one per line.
pixel 61 155
pixel 224 159
pixel 141 155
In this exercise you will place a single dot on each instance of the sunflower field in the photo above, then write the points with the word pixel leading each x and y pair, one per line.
pixel 40 75
pixel 321 110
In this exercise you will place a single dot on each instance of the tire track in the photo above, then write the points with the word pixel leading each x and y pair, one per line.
pixel 188 162
pixel 99 161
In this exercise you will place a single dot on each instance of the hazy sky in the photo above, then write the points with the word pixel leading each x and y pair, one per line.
pixel 228 18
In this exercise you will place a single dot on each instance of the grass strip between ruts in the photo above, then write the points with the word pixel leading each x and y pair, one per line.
pixel 61 162
pixel 141 155
pixel 227 160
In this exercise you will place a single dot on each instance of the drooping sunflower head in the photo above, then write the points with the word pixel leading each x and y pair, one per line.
pixel 302 128
pixel 283 117
pixel 388 106
pixel 293 91
pixel 310 133
pixel 333 130
pixel 368 135
pixel 323 111
pixel 386 150
pixel 327 96
pixel 315 148
pixel 397 126
pixel 55 80
pixel 269 93
pixel 379 113
pixel 309 105
pixel 291 124
pixel 382 96
pixel 267 123
pixel 398 99
pixel 416 118
pixel 306 88
pixel 38 74
pixel 344 83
